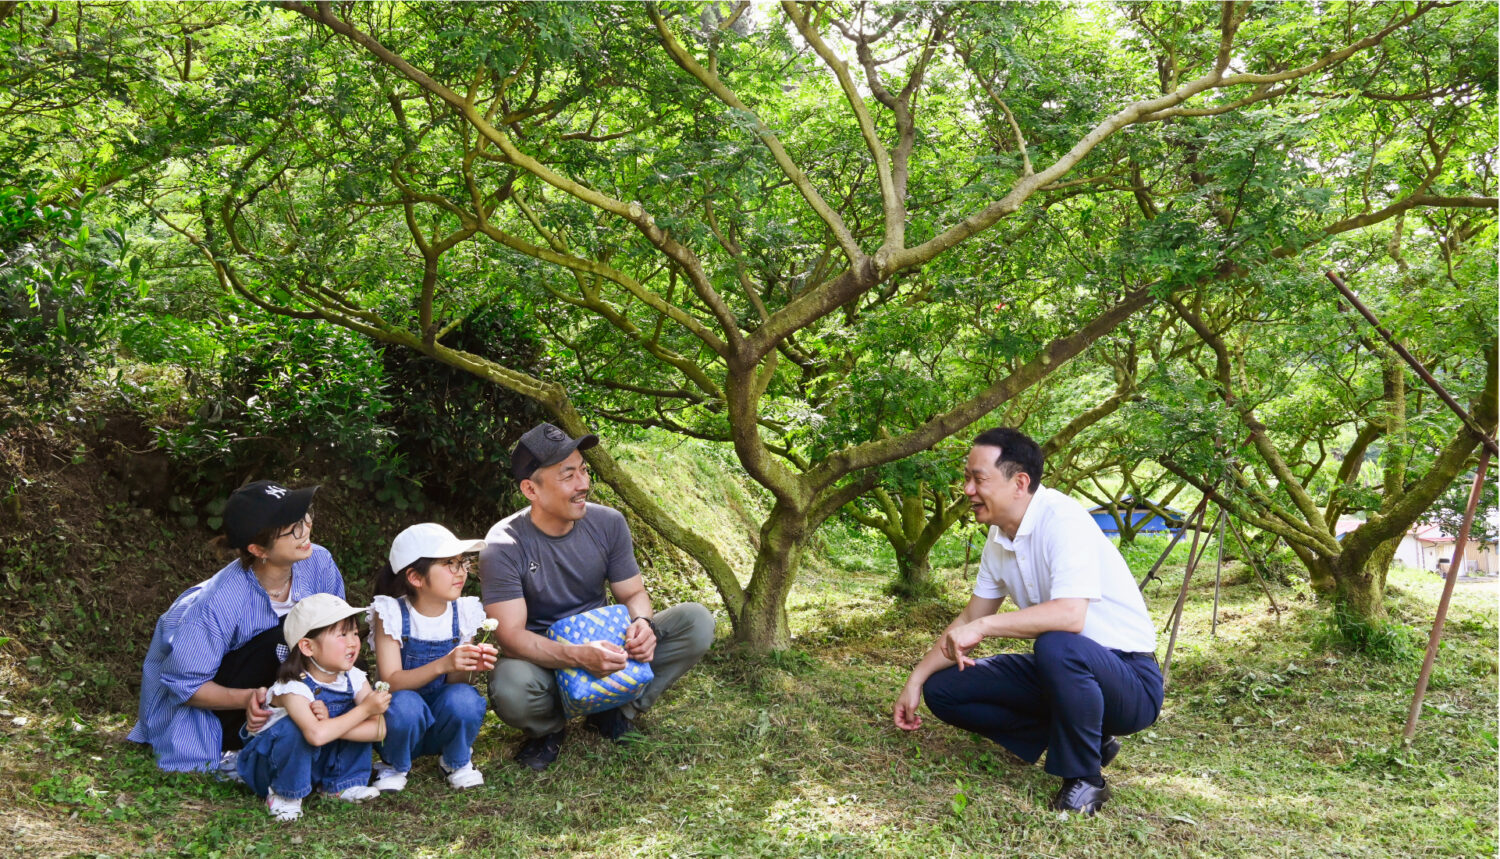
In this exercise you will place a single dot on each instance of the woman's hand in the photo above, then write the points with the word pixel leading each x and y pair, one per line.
pixel 256 711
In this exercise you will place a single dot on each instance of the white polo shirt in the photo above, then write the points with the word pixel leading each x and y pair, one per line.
pixel 1059 552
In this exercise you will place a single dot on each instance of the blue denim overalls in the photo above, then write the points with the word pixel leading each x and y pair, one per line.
pixel 281 759
pixel 441 718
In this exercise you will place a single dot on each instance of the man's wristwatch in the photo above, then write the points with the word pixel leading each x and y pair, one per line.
pixel 651 623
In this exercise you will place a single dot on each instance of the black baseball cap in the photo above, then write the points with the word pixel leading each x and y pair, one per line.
pixel 263 504
pixel 544 445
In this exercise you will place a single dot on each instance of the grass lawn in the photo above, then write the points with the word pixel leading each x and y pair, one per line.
pixel 1273 742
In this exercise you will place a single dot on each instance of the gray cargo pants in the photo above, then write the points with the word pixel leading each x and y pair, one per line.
pixel 524 695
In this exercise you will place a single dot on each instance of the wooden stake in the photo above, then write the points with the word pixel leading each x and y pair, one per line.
pixel 1442 610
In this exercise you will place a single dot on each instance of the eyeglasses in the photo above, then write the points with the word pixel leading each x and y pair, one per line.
pixel 460 564
pixel 299 529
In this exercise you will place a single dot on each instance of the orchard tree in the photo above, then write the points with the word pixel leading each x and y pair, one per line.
pixel 1290 394
pixel 919 498
pixel 827 235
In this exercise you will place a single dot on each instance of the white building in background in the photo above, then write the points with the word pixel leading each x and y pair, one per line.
pixel 1428 547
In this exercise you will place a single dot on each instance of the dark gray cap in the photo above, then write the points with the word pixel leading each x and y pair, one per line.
pixel 544 445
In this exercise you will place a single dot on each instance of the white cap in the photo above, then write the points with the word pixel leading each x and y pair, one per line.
pixel 316 611
pixel 427 540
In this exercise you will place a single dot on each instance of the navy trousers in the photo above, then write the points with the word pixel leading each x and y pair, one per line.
pixel 1063 699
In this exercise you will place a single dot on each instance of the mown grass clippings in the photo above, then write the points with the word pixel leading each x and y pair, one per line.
pixel 1272 743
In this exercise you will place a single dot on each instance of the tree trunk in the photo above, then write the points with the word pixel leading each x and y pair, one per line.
pixel 1320 569
pixel 762 621
pixel 914 557
pixel 1360 582
pixel 914 573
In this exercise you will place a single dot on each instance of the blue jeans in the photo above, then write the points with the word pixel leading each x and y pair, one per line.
pixel 444 721
pixel 281 759
pixel 1062 699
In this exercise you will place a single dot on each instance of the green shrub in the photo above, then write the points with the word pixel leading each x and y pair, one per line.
pixel 1383 640
pixel 287 393
pixel 62 286
pixel 454 430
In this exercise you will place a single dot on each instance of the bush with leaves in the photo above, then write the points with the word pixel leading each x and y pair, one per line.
pixel 290 392
pixel 62 287
pixel 453 429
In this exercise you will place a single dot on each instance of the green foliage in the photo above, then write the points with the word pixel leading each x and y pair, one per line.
pixel 1385 640
pixel 453 430
pixel 289 391
pixel 727 302
pixel 62 286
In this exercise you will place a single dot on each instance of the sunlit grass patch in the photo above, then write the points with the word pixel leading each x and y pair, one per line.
pixel 1272 743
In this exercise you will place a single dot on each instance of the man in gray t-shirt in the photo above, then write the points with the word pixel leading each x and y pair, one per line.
pixel 557 576
pixel 553 560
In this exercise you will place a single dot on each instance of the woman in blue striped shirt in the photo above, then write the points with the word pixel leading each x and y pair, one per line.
pixel 216 649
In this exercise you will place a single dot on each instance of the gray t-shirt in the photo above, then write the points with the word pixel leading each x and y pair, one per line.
pixel 557 576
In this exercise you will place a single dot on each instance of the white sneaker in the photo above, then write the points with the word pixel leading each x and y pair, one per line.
pixel 358 793
pixel 464 776
pixel 388 779
pixel 281 808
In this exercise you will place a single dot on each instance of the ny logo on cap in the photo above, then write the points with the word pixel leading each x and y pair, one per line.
pixel 276 491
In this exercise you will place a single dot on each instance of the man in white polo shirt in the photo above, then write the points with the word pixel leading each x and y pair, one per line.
pixel 1092 675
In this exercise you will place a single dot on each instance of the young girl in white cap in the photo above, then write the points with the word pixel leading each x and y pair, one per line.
pixel 324 716
pixel 422 629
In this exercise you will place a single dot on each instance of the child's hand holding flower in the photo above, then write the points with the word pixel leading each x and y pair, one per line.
pixel 485 654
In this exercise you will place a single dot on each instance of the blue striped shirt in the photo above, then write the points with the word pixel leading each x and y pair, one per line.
pixel 207 621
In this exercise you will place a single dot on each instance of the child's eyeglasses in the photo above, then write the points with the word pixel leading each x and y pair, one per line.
pixel 461 564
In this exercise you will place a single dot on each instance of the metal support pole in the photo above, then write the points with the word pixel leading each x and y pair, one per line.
pixel 1442 610
pixel 1213 630
pixel 1255 567
pixel 1187 576
pixel 1192 561
pixel 1197 511
pixel 1416 366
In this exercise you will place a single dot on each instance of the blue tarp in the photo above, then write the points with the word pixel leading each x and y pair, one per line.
pixel 1143 518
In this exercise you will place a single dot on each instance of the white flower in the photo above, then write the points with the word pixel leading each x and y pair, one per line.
pixel 382 686
pixel 489 624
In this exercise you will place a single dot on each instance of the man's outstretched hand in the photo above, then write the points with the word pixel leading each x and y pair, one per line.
pixel 906 716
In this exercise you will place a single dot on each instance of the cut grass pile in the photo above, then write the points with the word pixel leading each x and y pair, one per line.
pixel 1273 742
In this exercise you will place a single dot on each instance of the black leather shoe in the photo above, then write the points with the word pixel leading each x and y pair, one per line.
pixel 611 725
pixel 1080 796
pixel 1107 751
pixel 538 753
